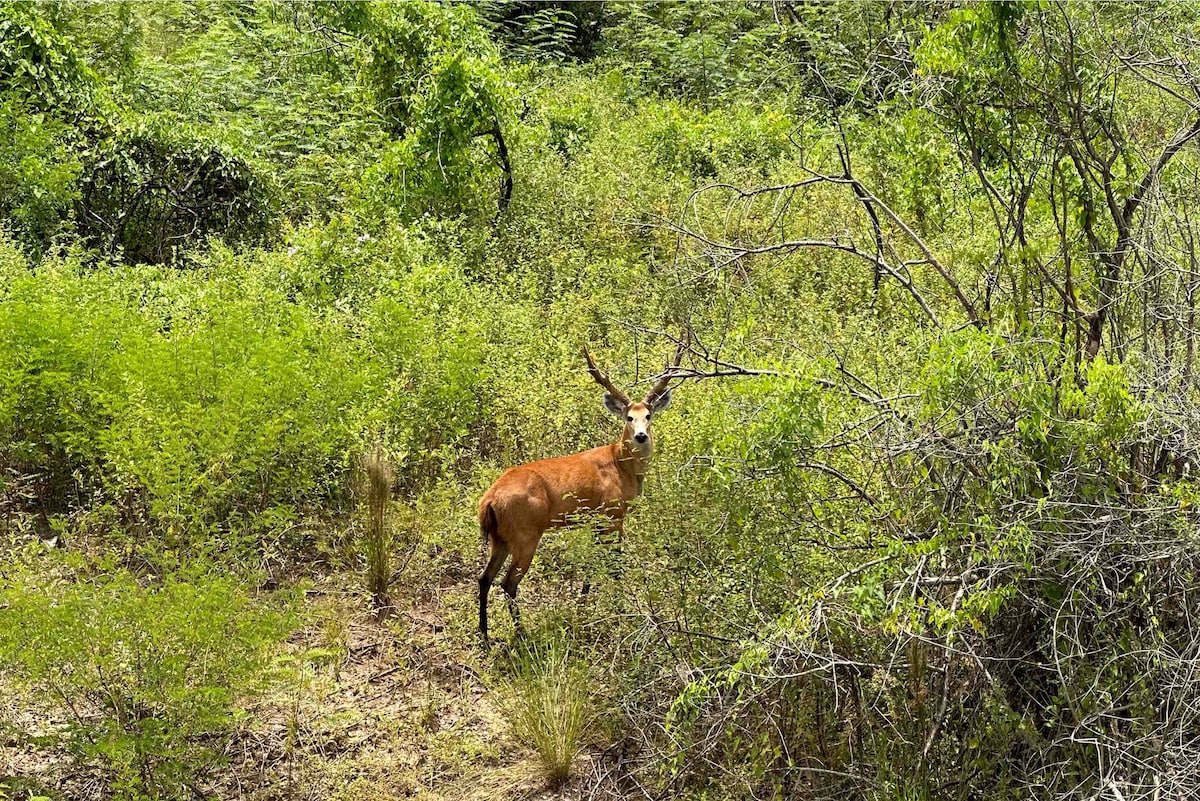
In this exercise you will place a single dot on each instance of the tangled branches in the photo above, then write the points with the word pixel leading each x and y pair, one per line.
pixel 1021 626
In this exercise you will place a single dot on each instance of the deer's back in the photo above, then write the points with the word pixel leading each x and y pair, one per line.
pixel 546 492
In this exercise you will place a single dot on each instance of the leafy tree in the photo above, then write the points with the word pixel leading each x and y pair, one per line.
pixel 38 65
pixel 548 30
pixel 151 191
pixel 438 87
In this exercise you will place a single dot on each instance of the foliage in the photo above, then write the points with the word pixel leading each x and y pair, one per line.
pixel 548 705
pixel 215 401
pixel 39 170
pixel 694 51
pixel 153 674
pixel 921 521
pixel 547 30
pixel 38 64
pixel 151 191
pixel 437 86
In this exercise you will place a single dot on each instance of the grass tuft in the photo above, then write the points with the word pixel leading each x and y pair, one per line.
pixel 377 539
pixel 549 706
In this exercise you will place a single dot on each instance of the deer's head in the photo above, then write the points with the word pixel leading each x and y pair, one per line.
pixel 637 415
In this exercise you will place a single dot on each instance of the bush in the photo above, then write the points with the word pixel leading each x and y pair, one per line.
pixel 38 63
pixel 58 335
pixel 438 85
pixel 546 30
pixel 244 405
pixel 39 167
pixel 213 401
pixel 151 676
pixel 548 705
pixel 151 191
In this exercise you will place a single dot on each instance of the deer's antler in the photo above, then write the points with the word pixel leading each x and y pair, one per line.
pixel 603 380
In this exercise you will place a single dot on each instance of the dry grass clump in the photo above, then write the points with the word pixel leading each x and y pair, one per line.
pixel 376 486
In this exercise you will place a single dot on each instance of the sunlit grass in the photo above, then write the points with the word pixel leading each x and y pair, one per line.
pixel 548 706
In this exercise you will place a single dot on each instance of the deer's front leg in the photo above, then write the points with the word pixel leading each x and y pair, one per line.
pixel 609 530
pixel 616 521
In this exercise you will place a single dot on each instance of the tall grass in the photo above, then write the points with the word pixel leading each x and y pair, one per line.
pixel 548 706
pixel 376 485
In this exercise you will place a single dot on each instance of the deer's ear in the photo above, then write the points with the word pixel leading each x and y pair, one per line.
pixel 614 406
pixel 662 401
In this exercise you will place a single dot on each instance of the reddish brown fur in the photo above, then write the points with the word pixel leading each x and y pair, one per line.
pixel 529 499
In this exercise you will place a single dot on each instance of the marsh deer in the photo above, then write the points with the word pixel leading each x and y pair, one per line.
pixel 531 498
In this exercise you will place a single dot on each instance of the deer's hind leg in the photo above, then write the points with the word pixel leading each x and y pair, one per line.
pixel 522 558
pixel 499 553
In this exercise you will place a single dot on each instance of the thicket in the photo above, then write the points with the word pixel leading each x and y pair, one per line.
pixel 147 674
pixel 923 520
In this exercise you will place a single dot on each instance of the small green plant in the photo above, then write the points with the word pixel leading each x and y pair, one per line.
pixel 376 485
pixel 152 676
pixel 548 705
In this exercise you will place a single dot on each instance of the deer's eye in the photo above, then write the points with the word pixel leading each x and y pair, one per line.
pixel 630 418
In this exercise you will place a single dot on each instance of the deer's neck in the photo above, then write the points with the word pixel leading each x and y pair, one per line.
pixel 633 460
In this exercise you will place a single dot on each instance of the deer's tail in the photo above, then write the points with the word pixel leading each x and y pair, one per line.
pixel 489 528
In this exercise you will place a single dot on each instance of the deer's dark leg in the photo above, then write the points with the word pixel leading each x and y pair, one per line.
pixel 516 572
pixel 618 526
pixel 495 562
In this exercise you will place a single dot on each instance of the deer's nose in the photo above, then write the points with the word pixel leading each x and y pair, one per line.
pixel 640 436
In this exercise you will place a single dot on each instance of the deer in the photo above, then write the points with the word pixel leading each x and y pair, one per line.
pixel 529 499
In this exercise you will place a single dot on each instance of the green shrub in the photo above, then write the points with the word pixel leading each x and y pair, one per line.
pixel 151 675
pixel 39 168
pixel 151 191
pixel 246 404
pixel 37 62
pixel 58 334
pixel 548 704
pixel 546 30
pixel 424 337
pixel 438 84
pixel 701 146
pixel 214 400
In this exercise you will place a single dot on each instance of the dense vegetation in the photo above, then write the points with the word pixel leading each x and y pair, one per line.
pixel 285 286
